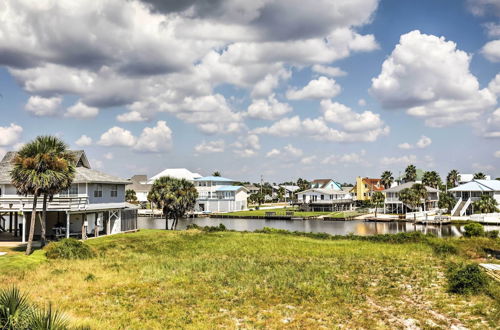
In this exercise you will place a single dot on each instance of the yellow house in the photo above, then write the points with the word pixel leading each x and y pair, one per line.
pixel 365 187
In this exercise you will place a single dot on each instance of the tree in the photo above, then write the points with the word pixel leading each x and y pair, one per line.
pixel 452 178
pixel 410 198
pixel 479 176
pixel 174 196
pixel 378 198
pixel 130 196
pixel 281 193
pixel 410 173
pixel 386 179
pixel 431 179
pixel 256 198
pixel 486 204
pixel 446 201
pixel 216 173
pixel 421 191
pixel 303 184
pixel 42 166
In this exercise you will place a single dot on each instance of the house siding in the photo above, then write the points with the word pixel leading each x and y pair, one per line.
pixel 106 194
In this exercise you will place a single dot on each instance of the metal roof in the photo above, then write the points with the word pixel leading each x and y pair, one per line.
pixel 231 188
pixel 324 191
pixel 214 178
pixel 479 185
pixel 408 185
pixel 178 173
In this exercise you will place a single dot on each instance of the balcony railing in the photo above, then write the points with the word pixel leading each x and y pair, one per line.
pixel 61 203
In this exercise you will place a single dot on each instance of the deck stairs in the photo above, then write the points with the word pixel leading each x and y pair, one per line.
pixel 461 207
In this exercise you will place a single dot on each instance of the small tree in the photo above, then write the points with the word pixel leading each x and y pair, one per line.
pixel 486 204
pixel 409 197
pixel 281 193
pixel 378 199
pixel 174 196
pixel 130 196
pixel 446 201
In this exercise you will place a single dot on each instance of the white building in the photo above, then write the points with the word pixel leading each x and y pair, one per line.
pixel 218 194
pixel 392 203
pixel 471 191
pixel 178 173
pixel 320 199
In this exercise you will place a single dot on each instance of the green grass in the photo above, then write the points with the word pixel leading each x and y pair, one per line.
pixel 193 279
pixel 16 262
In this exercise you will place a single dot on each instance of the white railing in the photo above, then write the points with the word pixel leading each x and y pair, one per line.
pixel 66 203
pixel 464 209
pixel 456 206
pixel 486 217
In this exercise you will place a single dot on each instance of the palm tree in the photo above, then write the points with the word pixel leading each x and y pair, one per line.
pixel 377 198
pixel 431 179
pixel 479 176
pixel 386 179
pixel 410 173
pixel 216 173
pixel 452 178
pixel 486 204
pixel 130 196
pixel 174 196
pixel 409 197
pixel 42 166
pixel 421 191
pixel 446 201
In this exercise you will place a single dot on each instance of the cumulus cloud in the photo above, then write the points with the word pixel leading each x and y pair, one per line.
pixel 422 143
pixel 273 153
pixel 247 146
pixel 118 137
pixel 308 160
pixel 83 141
pixel 492 51
pixel 288 151
pixel 41 106
pixel 351 121
pixel 492 129
pixel 484 7
pixel 81 111
pixel 349 158
pixel 10 135
pixel 321 88
pixel 331 71
pixel 492 29
pixel 434 85
pixel 210 147
pixel 155 139
pixel 402 160
pixel 269 109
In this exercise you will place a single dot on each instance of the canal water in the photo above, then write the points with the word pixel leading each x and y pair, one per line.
pixel 356 227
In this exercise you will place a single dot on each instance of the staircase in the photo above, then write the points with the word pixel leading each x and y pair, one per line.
pixel 460 207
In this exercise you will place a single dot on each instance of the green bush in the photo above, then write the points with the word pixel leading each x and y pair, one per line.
pixel 466 279
pixel 220 227
pixel 192 226
pixel 492 234
pixel 443 248
pixel 473 229
pixel 69 248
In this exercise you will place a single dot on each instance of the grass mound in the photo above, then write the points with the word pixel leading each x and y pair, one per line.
pixel 69 248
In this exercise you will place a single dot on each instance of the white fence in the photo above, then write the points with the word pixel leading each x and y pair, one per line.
pixel 486 217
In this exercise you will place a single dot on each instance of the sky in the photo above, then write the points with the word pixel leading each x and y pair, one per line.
pixel 278 88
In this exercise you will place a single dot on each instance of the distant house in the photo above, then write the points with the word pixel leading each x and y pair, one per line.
pixel 290 191
pixel 393 204
pixel 93 205
pixel 467 193
pixel 178 173
pixel 252 189
pixel 218 194
pixel 321 199
pixel 326 184
pixel 141 187
pixel 365 187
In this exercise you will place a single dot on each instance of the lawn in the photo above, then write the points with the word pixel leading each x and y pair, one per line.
pixel 194 279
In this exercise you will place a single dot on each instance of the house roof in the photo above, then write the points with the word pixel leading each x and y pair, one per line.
pixel 408 185
pixel 84 174
pixel 178 173
pixel 324 191
pixel 214 178
pixel 479 185
pixel 231 188
pixel 291 188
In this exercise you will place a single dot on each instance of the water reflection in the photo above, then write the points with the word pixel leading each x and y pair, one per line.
pixel 357 227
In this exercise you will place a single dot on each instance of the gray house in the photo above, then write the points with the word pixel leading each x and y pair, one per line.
pixel 94 205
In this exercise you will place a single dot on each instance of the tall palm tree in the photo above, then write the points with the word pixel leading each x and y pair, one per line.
pixel 410 173
pixel 174 196
pixel 42 166
pixel 479 176
pixel 431 179
pixel 453 178
pixel 386 179
pixel 421 191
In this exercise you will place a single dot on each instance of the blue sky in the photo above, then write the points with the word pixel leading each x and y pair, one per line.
pixel 334 89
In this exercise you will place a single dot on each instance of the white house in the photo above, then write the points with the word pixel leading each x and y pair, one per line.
pixel 93 205
pixel 320 199
pixel 218 194
pixel 393 204
pixel 178 173
pixel 471 191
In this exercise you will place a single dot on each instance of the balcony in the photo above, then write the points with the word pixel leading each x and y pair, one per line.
pixel 13 203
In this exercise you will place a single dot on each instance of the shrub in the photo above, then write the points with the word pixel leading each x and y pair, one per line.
pixel 466 279
pixel 69 248
pixel 220 227
pixel 492 234
pixel 473 229
pixel 440 247
pixel 192 226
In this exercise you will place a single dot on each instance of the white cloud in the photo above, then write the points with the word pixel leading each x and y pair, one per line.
pixel 403 160
pixel 483 167
pixel 321 88
pixel 349 158
pixel 96 163
pixel 329 70
pixel 132 116
pixel 81 111
pixel 210 147
pixel 308 160
pixel 497 154
pixel 41 106
pixel 362 102
pixel 83 141
pixel 351 121
pixel 422 143
pixel 405 145
pixel 273 153
pixel 269 109
pixel 247 146
pixel 109 156
pixel 492 51
pixel 484 7
pixel 492 129
pixel 492 29
pixel 117 136
pixel 155 139
pixel 10 135
pixel 434 85
pixel 266 86
pixel 288 152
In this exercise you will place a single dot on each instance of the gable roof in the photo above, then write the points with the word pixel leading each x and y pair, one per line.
pixel 408 185
pixel 324 191
pixel 231 188
pixel 373 184
pixel 178 173
pixel 478 185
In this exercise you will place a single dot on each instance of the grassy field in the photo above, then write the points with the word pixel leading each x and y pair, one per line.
pixel 296 213
pixel 193 279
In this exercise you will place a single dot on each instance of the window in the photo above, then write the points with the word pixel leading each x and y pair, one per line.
pixel 322 197
pixel 98 190
pixel 73 190
pixel 114 190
